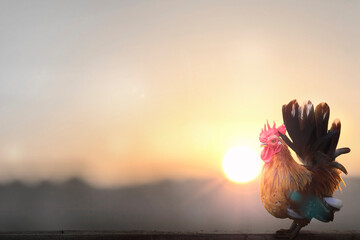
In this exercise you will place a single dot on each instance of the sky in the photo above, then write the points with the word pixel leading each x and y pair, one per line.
pixel 123 92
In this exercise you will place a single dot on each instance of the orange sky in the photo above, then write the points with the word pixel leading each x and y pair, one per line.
pixel 128 92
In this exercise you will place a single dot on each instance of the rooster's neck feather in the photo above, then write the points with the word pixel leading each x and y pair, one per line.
pixel 285 173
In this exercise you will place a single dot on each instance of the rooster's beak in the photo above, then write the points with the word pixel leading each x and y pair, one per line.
pixel 263 144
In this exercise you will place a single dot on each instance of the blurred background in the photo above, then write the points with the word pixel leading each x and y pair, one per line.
pixel 117 114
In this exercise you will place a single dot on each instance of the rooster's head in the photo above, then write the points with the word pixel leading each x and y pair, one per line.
pixel 270 140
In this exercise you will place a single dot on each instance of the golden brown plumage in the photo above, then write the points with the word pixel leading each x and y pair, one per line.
pixel 279 177
pixel 295 191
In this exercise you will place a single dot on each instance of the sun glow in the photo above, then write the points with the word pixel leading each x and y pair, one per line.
pixel 241 164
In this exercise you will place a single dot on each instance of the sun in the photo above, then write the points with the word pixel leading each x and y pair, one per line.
pixel 241 164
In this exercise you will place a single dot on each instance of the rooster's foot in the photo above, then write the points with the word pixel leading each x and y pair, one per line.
pixel 290 233
pixel 282 231
pixel 285 235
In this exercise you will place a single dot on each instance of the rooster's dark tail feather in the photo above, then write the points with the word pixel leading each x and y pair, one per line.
pixel 310 138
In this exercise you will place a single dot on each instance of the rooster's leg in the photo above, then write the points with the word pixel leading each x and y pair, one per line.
pixel 295 231
pixel 292 232
pixel 285 231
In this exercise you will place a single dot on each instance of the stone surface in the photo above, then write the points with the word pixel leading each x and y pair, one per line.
pixel 137 235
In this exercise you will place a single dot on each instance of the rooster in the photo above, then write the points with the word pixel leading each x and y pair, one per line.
pixel 301 192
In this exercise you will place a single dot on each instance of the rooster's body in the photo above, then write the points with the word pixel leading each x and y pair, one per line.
pixel 301 192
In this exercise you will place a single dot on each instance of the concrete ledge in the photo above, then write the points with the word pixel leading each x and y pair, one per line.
pixel 137 235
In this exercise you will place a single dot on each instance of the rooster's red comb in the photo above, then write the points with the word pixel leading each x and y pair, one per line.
pixel 266 133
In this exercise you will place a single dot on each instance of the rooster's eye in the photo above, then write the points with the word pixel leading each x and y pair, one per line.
pixel 273 140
